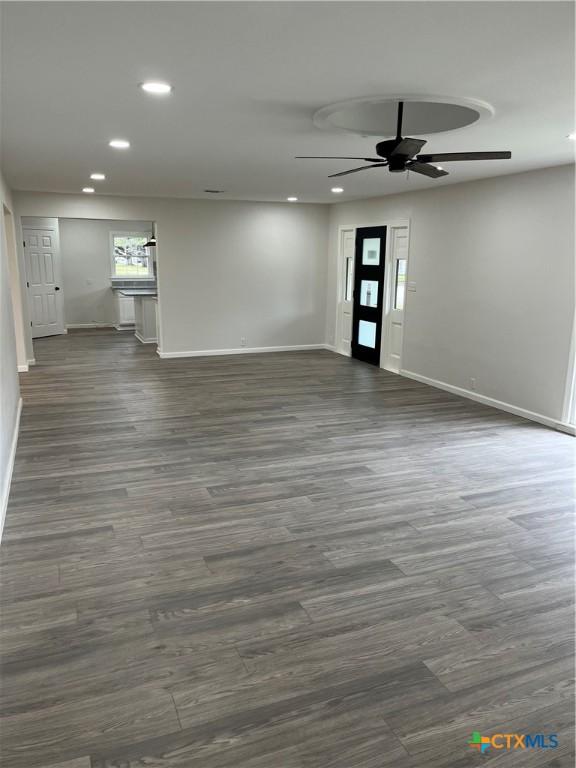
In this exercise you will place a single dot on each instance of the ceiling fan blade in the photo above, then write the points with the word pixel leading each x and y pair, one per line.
pixel 355 170
pixel 447 157
pixel 408 147
pixel 323 157
pixel 426 170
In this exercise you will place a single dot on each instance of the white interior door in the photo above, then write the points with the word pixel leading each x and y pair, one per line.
pixel 43 275
pixel 397 269
pixel 345 299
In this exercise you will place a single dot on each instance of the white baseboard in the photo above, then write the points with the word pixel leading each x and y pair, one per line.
pixel 6 480
pixel 23 368
pixel 142 340
pixel 90 325
pixel 239 351
pixel 490 401
pixel 124 327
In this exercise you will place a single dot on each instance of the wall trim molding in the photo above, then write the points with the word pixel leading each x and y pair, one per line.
pixel 23 368
pixel 31 361
pixel 7 479
pixel 89 325
pixel 490 401
pixel 239 351
pixel 142 340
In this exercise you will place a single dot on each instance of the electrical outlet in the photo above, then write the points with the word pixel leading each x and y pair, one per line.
pixel 243 341
pixel 473 384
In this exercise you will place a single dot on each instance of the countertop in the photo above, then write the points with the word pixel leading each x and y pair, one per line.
pixel 132 292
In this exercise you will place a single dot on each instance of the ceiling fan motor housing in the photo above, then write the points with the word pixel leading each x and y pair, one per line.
pixel 396 163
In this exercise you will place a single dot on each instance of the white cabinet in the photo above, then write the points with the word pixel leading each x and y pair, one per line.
pixel 145 311
pixel 124 311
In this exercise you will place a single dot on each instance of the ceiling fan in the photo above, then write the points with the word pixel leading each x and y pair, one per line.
pixel 401 154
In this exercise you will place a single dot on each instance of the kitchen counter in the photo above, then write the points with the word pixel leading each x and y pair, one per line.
pixel 136 309
pixel 145 316
pixel 132 292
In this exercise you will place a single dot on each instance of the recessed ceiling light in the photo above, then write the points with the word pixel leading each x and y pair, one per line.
pixel 97 176
pixel 157 88
pixel 119 144
pixel 439 167
pixel 572 136
pixel 292 199
pixel 88 190
pixel 337 190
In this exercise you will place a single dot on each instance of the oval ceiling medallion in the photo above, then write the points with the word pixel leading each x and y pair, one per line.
pixel 376 115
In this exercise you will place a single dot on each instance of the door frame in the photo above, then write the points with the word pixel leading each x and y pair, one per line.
pixel 340 288
pixel 388 283
pixel 389 290
pixel 15 288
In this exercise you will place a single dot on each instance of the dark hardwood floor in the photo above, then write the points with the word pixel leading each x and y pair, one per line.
pixel 286 560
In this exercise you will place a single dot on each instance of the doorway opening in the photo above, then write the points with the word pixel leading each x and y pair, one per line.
pixel 91 274
pixel 372 292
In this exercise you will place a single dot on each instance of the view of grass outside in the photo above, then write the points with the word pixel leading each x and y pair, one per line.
pixel 131 270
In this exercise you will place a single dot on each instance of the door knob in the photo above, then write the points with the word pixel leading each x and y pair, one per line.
pixel 56 287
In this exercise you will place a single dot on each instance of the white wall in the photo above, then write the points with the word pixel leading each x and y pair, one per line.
pixel 9 386
pixel 226 270
pixel 86 268
pixel 493 263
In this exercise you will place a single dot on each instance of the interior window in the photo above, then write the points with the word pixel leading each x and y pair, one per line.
pixel 130 259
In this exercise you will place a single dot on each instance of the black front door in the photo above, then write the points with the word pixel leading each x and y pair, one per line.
pixel 368 293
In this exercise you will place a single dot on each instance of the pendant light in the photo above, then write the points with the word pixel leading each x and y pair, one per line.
pixel 152 242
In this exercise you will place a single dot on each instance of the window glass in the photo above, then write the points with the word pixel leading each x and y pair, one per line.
pixel 369 293
pixel 367 334
pixel 348 286
pixel 400 283
pixel 371 251
pixel 130 258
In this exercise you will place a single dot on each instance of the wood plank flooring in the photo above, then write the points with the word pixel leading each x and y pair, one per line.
pixel 286 560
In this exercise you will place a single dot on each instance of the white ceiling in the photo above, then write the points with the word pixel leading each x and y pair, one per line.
pixel 248 78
